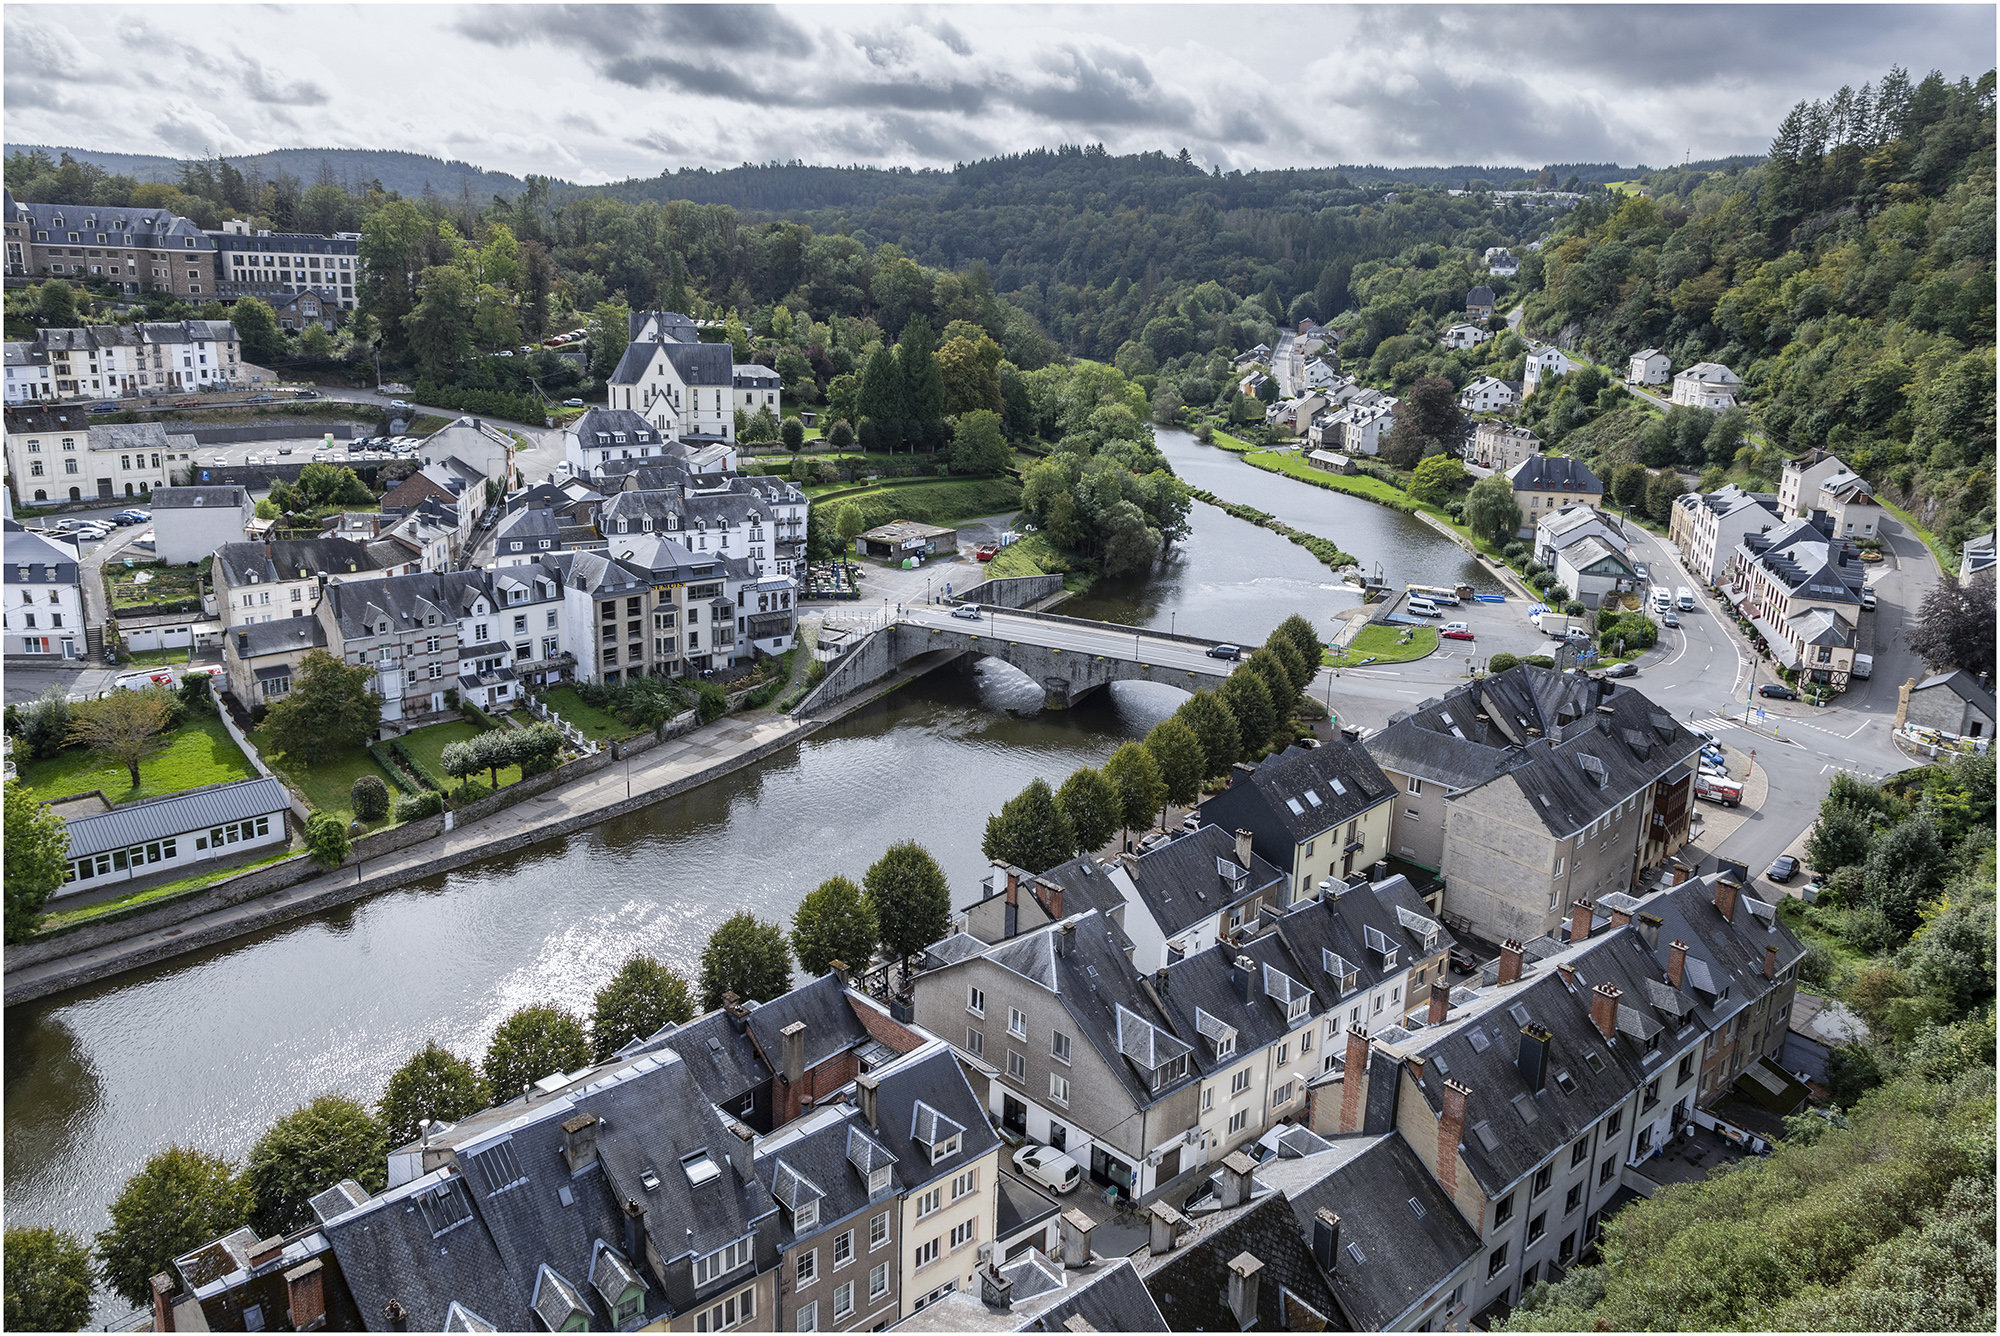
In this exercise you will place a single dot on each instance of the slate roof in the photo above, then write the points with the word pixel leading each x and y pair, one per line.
pixel 1310 790
pixel 1194 877
pixel 290 559
pixel 700 363
pixel 1479 296
pixel 831 1025
pixel 1958 681
pixel 632 365
pixel 189 498
pixel 719 1055
pixel 176 814
pixel 808 1160
pixel 1804 562
pixel 280 635
pixel 1406 1251
pixel 1554 473
pixel 26 547
pixel 151 227
pixel 405 603
pixel 749 376
pixel 921 1096
pixel 1711 372
pixel 1191 1283
pixel 526 527
pixel 1329 937
pixel 1115 1299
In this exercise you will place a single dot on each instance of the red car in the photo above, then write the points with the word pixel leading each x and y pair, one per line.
pixel 1456 635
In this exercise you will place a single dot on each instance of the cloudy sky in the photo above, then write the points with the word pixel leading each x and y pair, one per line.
pixel 600 92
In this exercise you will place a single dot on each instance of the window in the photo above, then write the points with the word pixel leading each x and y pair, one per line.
pixel 1238 1120
pixel 878 1231
pixel 843 1300
pixel 1207 1099
pixel 1573 1199
pixel 1608 1169
pixel 965 1183
pixel 926 1254
pixel 1017 1023
pixel 1017 1066
pixel 1059 1047
pixel 1416 786
pixel 843 1249
pixel 1503 1210
pixel 1281 1094
pixel 1686 1071
pixel 1498 1262
pixel 929 1202
pixel 1614 1122
pixel 721 1262
pixel 878 1281
pixel 1537 1227
pixel 805 1270
pixel 975 1042
pixel 806 1217
pixel 963 1234
pixel 1543 1177
pixel 975 1001
pixel 1284 1054
pixel 1240 1082
pixel 1059 1089
pixel 731 1312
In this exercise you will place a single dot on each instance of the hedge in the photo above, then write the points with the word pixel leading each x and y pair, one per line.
pixel 395 771
pixel 414 766
pixel 493 403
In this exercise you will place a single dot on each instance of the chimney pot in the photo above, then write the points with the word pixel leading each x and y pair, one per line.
pixel 1533 1057
pixel 1326 1237
pixel 995 1290
pixel 1581 915
pixel 1604 1010
pixel 1243 1278
pixel 1243 847
pixel 1076 1228
pixel 1677 955
pixel 1510 961
pixel 1241 970
pixel 794 1052
pixel 1440 1002
pixel 1238 1170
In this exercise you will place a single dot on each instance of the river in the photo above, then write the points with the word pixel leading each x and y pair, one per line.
pixel 206 1050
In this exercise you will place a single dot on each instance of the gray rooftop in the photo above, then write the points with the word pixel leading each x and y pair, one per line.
pixel 176 814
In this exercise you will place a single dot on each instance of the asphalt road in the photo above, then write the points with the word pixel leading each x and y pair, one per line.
pixel 1111 642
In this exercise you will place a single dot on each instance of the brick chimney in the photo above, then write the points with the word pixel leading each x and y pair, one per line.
pixel 580 1141
pixel 1013 886
pixel 1243 1269
pixel 1771 961
pixel 163 1302
pixel 1580 916
pixel 266 1251
pixel 1510 961
pixel 793 1037
pixel 1243 847
pixel 995 1290
pixel 1440 1002
pixel 1604 1010
pixel 1620 917
pixel 1354 1081
pixel 1677 959
pixel 1055 900
pixel 1451 1131
pixel 1725 898
pixel 305 1292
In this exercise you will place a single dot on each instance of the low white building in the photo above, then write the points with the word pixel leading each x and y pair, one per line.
pixel 1465 336
pixel 119 844
pixel 44 602
pixel 1487 395
pixel 189 523
pixel 55 454
pixel 473 441
pixel 1707 385
pixel 1648 367
pixel 1546 364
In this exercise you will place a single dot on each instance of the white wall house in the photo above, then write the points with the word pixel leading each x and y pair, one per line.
pixel 44 603
pixel 1487 395
pixel 189 523
pixel 1649 367
pixel 683 389
pixel 1544 365
pixel 143 839
pixel 1465 336
pixel 1707 385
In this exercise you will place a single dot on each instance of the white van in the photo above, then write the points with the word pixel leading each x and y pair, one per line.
pixel 1662 600
pixel 1422 607
pixel 1685 597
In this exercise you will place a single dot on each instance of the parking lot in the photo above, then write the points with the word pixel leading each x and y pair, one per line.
pixel 1497 628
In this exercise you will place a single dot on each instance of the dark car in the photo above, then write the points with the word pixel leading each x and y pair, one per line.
pixel 1229 652
pixel 1621 670
pixel 1784 869
pixel 106 407
pixel 261 399
pixel 1462 960
pixel 124 517
pixel 1777 691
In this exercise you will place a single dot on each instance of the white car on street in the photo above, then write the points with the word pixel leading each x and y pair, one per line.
pixel 1049 1167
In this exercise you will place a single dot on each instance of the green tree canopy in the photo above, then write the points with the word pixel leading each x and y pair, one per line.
pixel 978 444
pixel 911 899
pixel 1134 775
pixel 1029 831
pixel 257 330
pixel 124 727
pixel 1435 478
pixel 1215 728
pixel 179 1201
pixel 37 858
pixel 642 997
pixel 1278 680
pixel 835 922
pixel 534 1042
pixel 436 1084
pixel 331 708
pixel 439 327
pixel 1954 626
pixel 47 1281
pixel 1183 764
pixel 746 956
pixel 1491 511
pixel 306 1152
pixel 1249 700
pixel 1302 636
pixel 1090 805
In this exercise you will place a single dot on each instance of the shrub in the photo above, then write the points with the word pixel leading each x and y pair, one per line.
pixel 1531 568
pixel 391 767
pixel 1539 661
pixel 1500 663
pixel 1574 608
pixel 711 701
pixel 1515 550
pixel 326 839
pixel 423 803
pixel 369 798
pixel 1558 593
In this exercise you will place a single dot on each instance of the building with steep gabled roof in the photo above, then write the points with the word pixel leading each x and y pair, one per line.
pixel 1317 813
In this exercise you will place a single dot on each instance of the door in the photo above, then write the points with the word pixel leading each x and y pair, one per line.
pixel 1058 1134
pixel 1170 1164
pixel 104 489
pixel 1014 1115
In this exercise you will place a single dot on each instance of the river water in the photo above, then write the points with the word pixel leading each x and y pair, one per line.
pixel 206 1050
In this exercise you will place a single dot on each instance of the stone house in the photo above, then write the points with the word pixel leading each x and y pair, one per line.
pixel 1316 813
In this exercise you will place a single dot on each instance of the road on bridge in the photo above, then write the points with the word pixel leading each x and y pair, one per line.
pixel 1104 639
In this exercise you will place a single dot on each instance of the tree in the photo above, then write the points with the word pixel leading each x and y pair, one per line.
pixel 745 956
pixel 55 305
pixel 37 858
pixel 1661 493
pixel 978 445
pixel 923 385
pixel 840 436
pixel 460 760
pixel 1298 668
pixel 848 522
pixel 793 433
pixel 436 1084
pixel 1435 478
pixel 1491 511
pixel 1249 700
pixel 911 899
pixel 1134 775
pixel 1427 422
pixel 330 709
pixel 835 922
pixel 1278 680
pixel 1840 839
pixel 882 403
pixel 257 330
pixel 439 327
pixel 44 723
pixel 124 726
pixel 1301 634
pixel 1905 867
pixel 181 1200
pixel 534 1042
pixel 48 1280
pixel 1029 831
pixel 369 797
pixel 308 1151
pixel 1628 485
pixel 1090 805
pixel 643 997
pixel 326 839
pixel 1215 728
pixel 1183 764
pixel 1954 626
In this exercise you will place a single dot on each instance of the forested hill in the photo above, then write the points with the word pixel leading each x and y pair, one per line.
pixel 410 174
pixel 1849 279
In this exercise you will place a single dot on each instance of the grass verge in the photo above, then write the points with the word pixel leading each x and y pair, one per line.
pixel 199 752
pixel 65 919
pixel 1946 562
pixel 595 724
pixel 943 501
pixel 1384 644
pixel 329 787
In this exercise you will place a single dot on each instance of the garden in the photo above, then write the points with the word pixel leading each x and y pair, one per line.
pixel 97 744
pixel 1380 643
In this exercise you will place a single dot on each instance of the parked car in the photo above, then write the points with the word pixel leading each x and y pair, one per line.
pixel 284 449
pixel 505 352
pixel 1192 821
pixel 572 403
pixel 966 612
pixel 1777 691
pixel 1718 789
pixel 261 399
pixel 1456 633
pixel 1621 670
pixel 1868 599
pixel 1049 1167
pixel 106 407
pixel 1229 652
pixel 305 394
pixel 399 403
pixel 133 516
pixel 1455 626
pixel 1783 869
pixel 1463 960
pixel 187 403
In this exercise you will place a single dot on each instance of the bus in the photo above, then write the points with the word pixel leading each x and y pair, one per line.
pixel 1448 595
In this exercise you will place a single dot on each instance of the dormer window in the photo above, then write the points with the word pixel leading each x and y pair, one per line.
pixel 878 1180
pixel 945 1149
pixel 806 1216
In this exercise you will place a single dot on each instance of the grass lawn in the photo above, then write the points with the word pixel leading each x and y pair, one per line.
pixel 199 752
pixel 1384 644
pixel 595 724
pixel 941 501
pixel 1359 484
pixel 1234 444
pixel 155 658
pixel 329 787
pixel 427 745
pixel 1031 555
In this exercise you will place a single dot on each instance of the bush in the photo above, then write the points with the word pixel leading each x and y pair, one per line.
pixel 1514 551
pixel 1500 663
pixel 423 803
pixel 414 766
pixel 1557 593
pixel 326 839
pixel 1531 568
pixel 404 780
pixel 369 797
pixel 478 716
pixel 1539 661
pixel 1574 608
pixel 711 701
